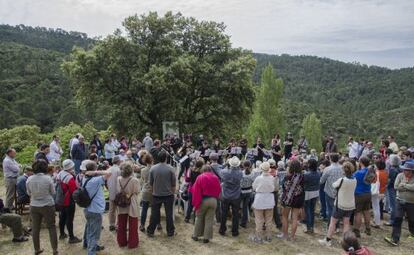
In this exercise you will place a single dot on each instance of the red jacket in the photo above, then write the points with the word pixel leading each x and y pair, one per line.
pixel 68 186
pixel 206 184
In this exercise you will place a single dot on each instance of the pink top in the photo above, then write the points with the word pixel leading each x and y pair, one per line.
pixel 362 251
pixel 206 185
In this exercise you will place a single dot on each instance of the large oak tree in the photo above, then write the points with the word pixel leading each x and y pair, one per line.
pixel 169 68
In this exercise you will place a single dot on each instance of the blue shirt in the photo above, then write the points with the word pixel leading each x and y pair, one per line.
pixel 94 186
pixel 21 188
pixel 362 187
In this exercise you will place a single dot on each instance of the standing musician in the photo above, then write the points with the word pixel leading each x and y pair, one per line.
pixel 259 147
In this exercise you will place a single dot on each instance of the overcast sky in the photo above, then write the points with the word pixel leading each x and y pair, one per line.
pixel 373 32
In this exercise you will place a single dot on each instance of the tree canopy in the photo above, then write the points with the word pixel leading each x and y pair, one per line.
pixel 268 116
pixel 166 68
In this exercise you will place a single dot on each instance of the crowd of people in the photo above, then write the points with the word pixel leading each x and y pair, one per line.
pixel 280 186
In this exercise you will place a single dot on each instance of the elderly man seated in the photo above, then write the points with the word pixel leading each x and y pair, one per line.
pixel 14 222
pixel 22 196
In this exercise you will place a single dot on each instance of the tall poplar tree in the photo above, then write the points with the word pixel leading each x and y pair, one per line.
pixel 268 117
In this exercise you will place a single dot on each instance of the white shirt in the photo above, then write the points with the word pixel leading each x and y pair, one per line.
pixel 346 197
pixel 55 151
pixel 264 186
pixel 72 142
pixel 393 146
pixel 353 149
pixel 112 181
pixel 115 144
pixel 10 167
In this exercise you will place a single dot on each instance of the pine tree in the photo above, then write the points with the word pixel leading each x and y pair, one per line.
pixel 268 117
pixel 311 129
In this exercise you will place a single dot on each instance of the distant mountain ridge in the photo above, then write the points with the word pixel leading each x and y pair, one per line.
pixel 350 99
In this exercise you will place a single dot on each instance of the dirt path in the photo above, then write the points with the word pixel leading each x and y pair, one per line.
pixel 183 244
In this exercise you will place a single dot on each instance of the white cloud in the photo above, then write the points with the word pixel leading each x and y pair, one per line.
pixel 368 31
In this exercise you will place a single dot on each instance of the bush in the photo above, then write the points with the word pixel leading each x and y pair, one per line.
pixel 25 139
pixel 19 138
pixel 26 156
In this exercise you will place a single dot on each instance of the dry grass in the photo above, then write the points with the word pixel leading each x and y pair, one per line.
pixel 183 244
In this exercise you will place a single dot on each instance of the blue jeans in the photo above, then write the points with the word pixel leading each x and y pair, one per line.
pixel 78 163
pixel 92 232
pixel 329 206
pixel 310 212
pixel 245 199
pixel 144 212
pixel 392 195
pixel 323 212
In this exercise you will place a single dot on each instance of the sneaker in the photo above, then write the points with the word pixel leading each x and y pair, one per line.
pixel 325 242
pixel 390 241
pixel 308 231
pixel 235 234
pixel 222 233
pixel 141 228
pixel 63 236
pixel 74 240
pixel 194 238
pixel 206 241
pixel 172 234
pixel 387 224
pixel 187 220
pixel 20 239
pixel 100 248
pixel 281 236
pixel 112 228
pixel 159 227
pixel 256 239
pixel 368 231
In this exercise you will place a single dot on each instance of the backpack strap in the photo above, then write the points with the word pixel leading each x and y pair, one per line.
pixel 337 192
pixel 126 184
pixel 84 186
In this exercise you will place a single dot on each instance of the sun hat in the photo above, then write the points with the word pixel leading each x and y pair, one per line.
pixel 234 161
pixel 272 162
pixel 265 167
pixel 409 166
pixel 68 164
pixel 84 163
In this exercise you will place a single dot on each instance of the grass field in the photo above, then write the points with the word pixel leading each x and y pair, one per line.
pixel 183 244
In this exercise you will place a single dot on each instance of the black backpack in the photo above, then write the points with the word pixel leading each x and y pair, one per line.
pixel 81 195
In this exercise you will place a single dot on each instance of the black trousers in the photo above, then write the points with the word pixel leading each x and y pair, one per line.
pixel 155 219
pixel 189 206
pixel 226 204
pixel 66 216
pixel 402 209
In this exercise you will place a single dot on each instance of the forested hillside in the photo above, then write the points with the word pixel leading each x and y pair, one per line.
pixel 348 98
